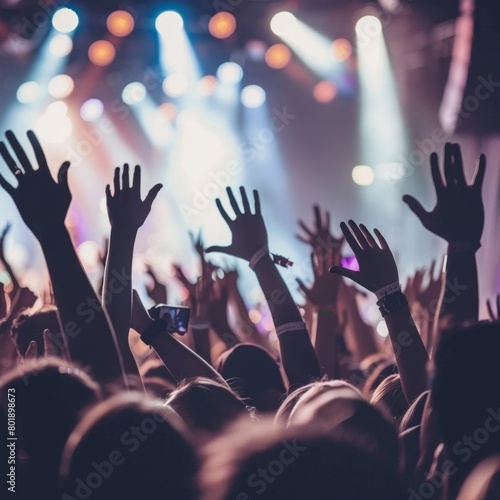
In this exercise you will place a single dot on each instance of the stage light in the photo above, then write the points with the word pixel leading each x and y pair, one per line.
pixel 133 93
pixel 363 175
pixel 368 27
pixel 325 91
pixel 206 85
pixel 91 110
pixel 169 21
pixel 54 126
pixel 61 45
pixel 382 329
pixel 28 92
pixel 278 56
pixel 120 23
pixel 102 53
pixel 168 110
pixel 222 25
pixel 65 20
pixel 341 49
pixel 283 23
pixel 175 85
pixel 61 86
pixel 253 96
pixel 230 73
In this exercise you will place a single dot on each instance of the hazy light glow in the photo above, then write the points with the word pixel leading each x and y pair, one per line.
pixel 134 93
pixel 102 53
pixel 341 49
pixel 284 24
pixel 91 110
pixel 363 175
pixel 65 20
pixel 54 126
pixel 61 45
pixel 222 25
pixel 325 91
pixel 382 329
pixel 120 23
pixel 253 96
pixel 368 27
pixel 175 85
pixel 278 56
pixel 61 86
pixel 169 21
pixel 230 73
pixel 206 85
pixel 28 92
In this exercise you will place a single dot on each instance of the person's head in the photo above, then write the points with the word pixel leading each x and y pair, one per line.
pixel 50 396
pixel 390 395
pixel 205 405
pixel 254 375
pixel 272 463
pixel 129 448
pixel 464 395
pixel 29 327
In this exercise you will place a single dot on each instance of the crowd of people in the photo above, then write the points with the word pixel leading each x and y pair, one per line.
pixel 101 398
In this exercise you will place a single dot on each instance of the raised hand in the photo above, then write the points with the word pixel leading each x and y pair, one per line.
pixel 459 214
pixel 325 246
pixel 377 267
pixel 42 202
pixel 156 291
pixel 325 288
pixel 126 210
pixel 493 316
pixel 248 230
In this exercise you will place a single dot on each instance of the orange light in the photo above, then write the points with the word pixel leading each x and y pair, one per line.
pixel 206 85
pixel 342 49
pixel 325 91
pixel 168 110
pixel 278 56
pixel 222 25
pixel 102 53
pixel 120 23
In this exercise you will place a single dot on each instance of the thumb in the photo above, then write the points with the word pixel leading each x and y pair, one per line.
pixel 347 273
pixel 228 250
pixel 416 208
pixel 48 344
pixel 62 175
pixel 152 195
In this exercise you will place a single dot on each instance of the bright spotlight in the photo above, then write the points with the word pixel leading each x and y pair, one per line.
pixel 120 23
pixel 363 175
pixel 61 45
pixel 102 53
pixel 91 110
pixel 61 86
pixel 283 23
pixel 175 85
pixel 368 27
pixel 65 20
pixel 278 56
pixel 169 21
pixel 54 126
pixel 222 25
pixel 28 92
pixel 133 93
pixel 253 96
pixel 230 73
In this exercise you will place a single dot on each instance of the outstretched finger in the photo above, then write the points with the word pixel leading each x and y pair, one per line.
pixel 125 177
pixel 369 238
pixel 256 202
pixel 244 199
pixel 136 181
pixel 62 174
pixel 303 288
pixel 223 212
pixel 6 186
pixel 449 170
pixel 347 273
pixel 417 208
pixel 436 174
pixel 11 163
pixel 49 346
pixel 32 351
pixel 479 174
pixel 383 242
pixel 353 243
pixel 317 217
pixel 18 149
pixel 233 202
pixel 359 235
pixel 37 148
pixel 152 195
pixel 458 166
pixel 214 248
pixel 116 181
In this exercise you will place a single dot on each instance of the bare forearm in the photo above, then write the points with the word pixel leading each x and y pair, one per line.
pixel 325 333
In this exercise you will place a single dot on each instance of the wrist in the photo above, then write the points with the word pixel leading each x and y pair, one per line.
pixel 393 303
pixel 464 247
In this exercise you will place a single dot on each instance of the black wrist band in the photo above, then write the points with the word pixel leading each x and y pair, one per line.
pixel 392 303
pixel 281 261
pixel 152 331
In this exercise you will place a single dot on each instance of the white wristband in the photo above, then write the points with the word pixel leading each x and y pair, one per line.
pixel 257 256
pixel 290 327
pixel 200 326
pixel 388 290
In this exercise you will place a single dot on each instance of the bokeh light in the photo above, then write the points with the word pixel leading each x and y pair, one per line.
pixel 230 73
pixel 283 23
pixel 341 49
pixel 28 92
pixel 61 45
pixel 175 85
pixel 368 26
pixel 363 175
pixel 222 25
pixel 65 20
pixel 169 21
pixel 133 93
pixel 61 86
pixel 325 91
pixel 206 85
pixel 102 53
pixel 278 56
pixel 54 126
pixel 168 110
pixel 253 96
pixel 382 329
pixel 120 23
pixel 91 110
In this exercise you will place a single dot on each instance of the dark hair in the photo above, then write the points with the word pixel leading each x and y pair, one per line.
pixel 253 374
pixel 129 448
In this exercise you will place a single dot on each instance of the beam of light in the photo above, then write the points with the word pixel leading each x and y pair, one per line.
pixel 314 49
